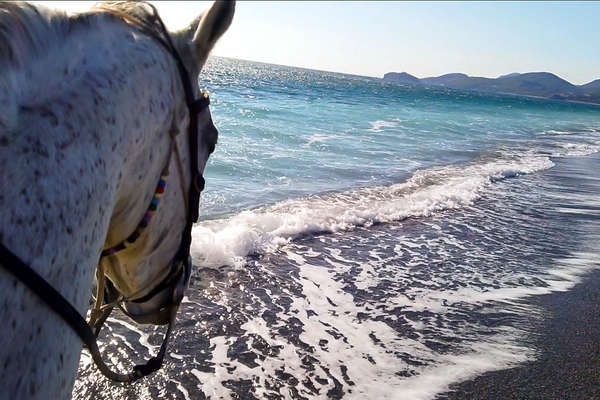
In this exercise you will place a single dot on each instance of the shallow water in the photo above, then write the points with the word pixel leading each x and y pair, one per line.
pixel 363 238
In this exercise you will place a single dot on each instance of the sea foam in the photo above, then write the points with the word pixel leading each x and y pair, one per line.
pixel 228 241
pixel 377 126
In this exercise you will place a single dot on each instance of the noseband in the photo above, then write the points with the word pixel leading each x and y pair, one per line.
pixel 160 305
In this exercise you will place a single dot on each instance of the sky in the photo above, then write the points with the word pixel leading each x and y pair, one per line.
pixel 422 38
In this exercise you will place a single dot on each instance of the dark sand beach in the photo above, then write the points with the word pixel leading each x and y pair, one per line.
pixel 568 364
pixel 567 340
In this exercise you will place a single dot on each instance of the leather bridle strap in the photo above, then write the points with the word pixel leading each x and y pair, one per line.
pixel 53 299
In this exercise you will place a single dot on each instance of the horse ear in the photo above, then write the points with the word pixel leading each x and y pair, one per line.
pixel 211 25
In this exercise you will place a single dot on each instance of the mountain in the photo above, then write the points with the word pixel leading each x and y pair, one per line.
pixel 445 80
pixel 543 84
pixel 540 84
pixel 401 77
pixel 592 85
pixel 509 75
pixel 593 88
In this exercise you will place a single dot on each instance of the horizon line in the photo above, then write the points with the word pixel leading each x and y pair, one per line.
pixel 381 77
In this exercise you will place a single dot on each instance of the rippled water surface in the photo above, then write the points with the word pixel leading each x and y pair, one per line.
pixel 361 238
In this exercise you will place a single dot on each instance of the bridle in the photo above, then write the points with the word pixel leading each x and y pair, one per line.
pixel 160 305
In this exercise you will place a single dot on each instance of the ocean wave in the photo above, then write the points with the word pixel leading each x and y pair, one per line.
pixel 579 149
pixel 228 241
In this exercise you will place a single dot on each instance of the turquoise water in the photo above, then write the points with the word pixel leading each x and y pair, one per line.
pixel 362 239
pixel 289 134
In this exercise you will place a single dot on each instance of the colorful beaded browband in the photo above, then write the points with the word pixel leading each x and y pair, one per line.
pixel 160 189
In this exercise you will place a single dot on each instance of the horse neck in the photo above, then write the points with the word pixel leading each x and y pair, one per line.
pixel 93 152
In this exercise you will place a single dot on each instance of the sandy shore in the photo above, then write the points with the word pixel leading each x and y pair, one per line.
pixel 568 364
pixel 567 341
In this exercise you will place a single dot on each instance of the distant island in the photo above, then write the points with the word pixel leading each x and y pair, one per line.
pixel 539 84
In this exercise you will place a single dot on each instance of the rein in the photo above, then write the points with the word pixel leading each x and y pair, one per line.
pixel 181 264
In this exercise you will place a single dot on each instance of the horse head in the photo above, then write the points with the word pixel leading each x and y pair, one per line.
pixel 150 271
pixel 104 136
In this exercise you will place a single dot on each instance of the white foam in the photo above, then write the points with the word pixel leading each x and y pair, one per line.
pixel 579 149
pixel 498 352
pixel 380 380
pixel 565 274
pixel 556 132
pixel 318 138
pixel 228 241
pixel 372 365
pixel 182 389
pixel 211 382
pixel 144 337
pixel 377 126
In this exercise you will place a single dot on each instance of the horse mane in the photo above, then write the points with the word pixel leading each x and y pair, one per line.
pixel 29 32
pixel 26 29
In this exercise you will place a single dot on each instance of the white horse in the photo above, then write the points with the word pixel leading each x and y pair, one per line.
pixel 90 107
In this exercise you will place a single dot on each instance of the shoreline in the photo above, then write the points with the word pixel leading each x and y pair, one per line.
pixel 566 340
pixel 568 361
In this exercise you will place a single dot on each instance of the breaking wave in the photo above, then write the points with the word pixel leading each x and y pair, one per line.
pixel 228 241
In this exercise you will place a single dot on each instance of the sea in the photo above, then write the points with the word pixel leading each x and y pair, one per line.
pixel 365 239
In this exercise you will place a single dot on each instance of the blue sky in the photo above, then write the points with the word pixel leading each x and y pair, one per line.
pixel 422 38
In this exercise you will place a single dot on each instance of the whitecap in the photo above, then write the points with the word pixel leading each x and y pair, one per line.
pixel 377 126
pixel 228 241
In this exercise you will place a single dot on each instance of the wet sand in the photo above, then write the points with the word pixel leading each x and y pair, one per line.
pixel 567 341
pixel 568 365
